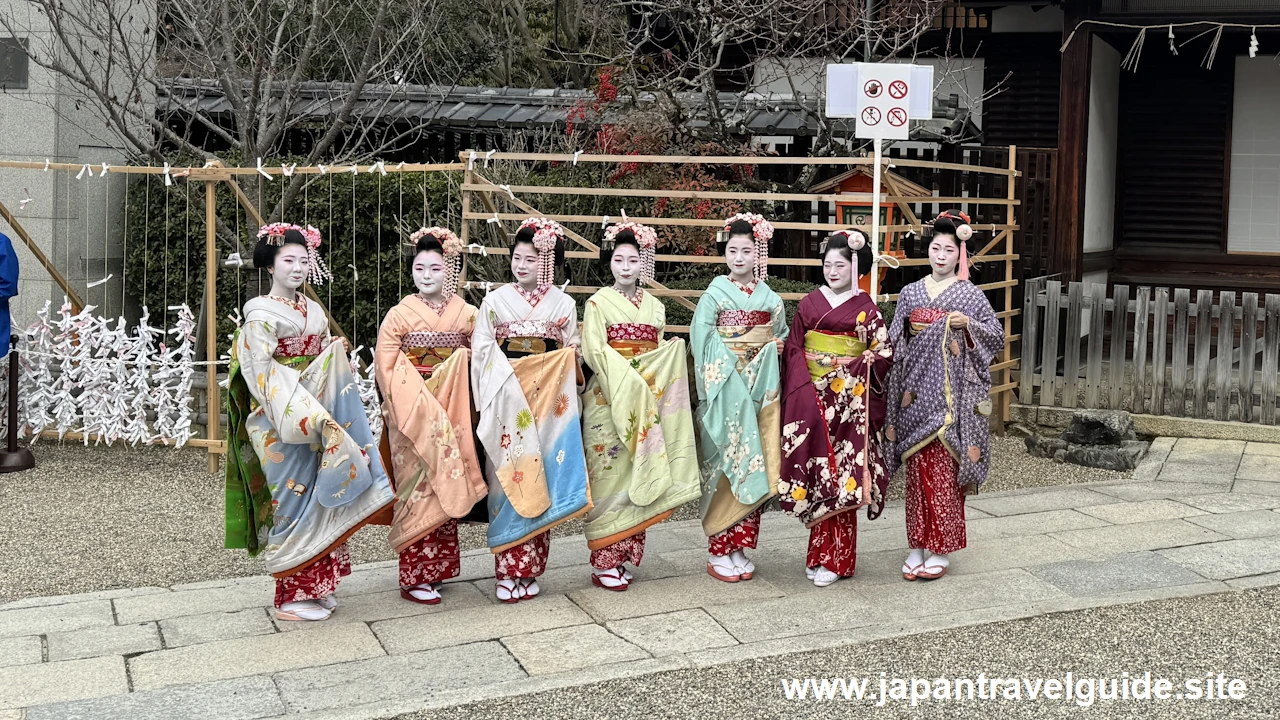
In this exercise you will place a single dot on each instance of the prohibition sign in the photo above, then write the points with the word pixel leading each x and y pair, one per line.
pixel 873 88
pixel 871 116
pixel 897 116
pixel 898 89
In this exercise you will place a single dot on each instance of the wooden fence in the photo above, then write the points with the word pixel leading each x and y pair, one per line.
pixel 1154 351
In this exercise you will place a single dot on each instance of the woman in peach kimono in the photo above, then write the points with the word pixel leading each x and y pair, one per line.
pixel 424 376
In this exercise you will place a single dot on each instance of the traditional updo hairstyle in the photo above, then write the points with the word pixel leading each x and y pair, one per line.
pixel 624 237
pixel 739 227
pixel 264 253
pixel 525 235
pixel 426 243
pixel 955 224
pixel 839 240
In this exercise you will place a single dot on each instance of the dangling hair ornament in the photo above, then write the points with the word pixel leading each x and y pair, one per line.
pixel 273 234
pixel 545 235
pixel 762 233
pixel 963 233
pixel 646 238
pixel 452 248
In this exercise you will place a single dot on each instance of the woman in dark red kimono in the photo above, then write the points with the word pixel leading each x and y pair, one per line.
pixel 836 362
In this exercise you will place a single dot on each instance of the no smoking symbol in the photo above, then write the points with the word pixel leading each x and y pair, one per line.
pixel 873 88
pixel 871 116
pixel 898 89
pixel 897 117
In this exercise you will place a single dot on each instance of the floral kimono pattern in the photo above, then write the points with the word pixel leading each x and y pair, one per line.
pixel 737 372
pixel 640 448
pixel 423 372
pixel 833 409
pixel 303 472
pixel 524 373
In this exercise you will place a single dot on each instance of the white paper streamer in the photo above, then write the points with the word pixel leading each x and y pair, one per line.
pixel 575 157
pixel 22 204
pixel 168 180
pixel 489 155
pixel 234 260
pixel 494 219
pixel 96 283
pixel 84 169
pixel 484 251
pixel 323 170
pixel 471 160
pixel 261 171
pixel 105 168
pixel 355 274
pixel 287 170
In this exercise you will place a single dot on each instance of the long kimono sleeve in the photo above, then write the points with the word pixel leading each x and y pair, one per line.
pixel 506 428
pixel 728 414
pixel 985 334
pixel 632 406
pixel 898 341
pixel 780 329
pixel 882 350
pixel 795 368
pixel 295 409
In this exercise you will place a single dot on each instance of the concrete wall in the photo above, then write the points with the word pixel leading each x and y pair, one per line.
pixel 1253 221
pixel 77 223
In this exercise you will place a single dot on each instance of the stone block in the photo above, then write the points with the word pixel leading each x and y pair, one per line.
pixel 1207 452
pixel 1099 427
pixel 81 597
pixel 1142 511
pixel 27 685
pixel 1198 473
pixel 197 629
pixel 20 651
pixel 571 648
pixel 55 618
pixel 1231 502
pixel 324 644
pixel 1114 574
pixel 385 679
pixel 239 699
pixel 1034 502
pixel 425 632
pixel 1106 457
pixel 373 607
pixel 1230 558
pixel 675 633
pixel 985 556
pixel 1262 449
pixel 109 640
pixel 191 602
pixel 668 595
pixel 1138 491
pixel 840 606
pixel 1253 487
pixel 1248 524
pixel 1041 446
pixel 1259 468
pixel 1036 523
pixel 1137 536
pixel 910 600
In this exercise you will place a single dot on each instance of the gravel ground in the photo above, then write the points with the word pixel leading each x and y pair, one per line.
pixel 100 518
pixel 1235 634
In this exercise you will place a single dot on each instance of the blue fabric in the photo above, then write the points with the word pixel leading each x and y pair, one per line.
pixel 8 288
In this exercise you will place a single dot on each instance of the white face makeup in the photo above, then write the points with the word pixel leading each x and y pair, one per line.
pixel 290 269
pixel 625 265
pixel 428 274
pixel 838 270
pixel 524 265
pixel 740 256
pixel 944 254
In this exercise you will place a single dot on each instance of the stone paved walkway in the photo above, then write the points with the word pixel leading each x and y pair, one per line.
pixel 1199 516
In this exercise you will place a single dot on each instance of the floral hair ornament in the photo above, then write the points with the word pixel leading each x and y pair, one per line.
pixel 273 234
pixel 646 239
pixel 762 233
pixel 452 247
pixel 546 233
pixel 963 233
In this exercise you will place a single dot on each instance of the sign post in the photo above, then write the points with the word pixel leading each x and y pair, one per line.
pixel 884 97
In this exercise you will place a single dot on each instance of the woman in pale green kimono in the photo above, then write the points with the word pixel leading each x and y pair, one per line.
pixel 641 456
pixel 737 335
pixel 303 472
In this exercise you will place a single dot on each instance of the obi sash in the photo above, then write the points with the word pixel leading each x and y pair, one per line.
pixel 427 349
pixel 744 332
pixel 528 337
pixel 632 339
pixel 298 351
pixel 823 351
pixel 922 318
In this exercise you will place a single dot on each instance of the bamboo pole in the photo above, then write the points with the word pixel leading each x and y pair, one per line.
pixel 1006 356
pixel 713 222
pixel 215 170
pixel 465 155
pixel 77 304
pixel 211 314
pixel 898 197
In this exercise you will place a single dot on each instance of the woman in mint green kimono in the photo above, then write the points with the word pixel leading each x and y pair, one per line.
pixel 641 455
pixel 737 335
pixel 303 472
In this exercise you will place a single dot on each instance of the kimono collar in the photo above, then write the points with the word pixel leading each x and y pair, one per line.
pixel 437 308
pixel 934 288
pixel 837 299
pixel 534 297
pixel 748 288
pixel 638 300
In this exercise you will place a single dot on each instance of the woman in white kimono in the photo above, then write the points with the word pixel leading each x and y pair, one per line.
pixel 303 472
pixel 525 375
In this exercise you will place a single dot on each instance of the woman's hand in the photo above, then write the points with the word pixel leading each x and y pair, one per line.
pixel 958 321
pixel 780 343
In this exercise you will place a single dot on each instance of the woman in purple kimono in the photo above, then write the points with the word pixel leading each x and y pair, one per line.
pixel 837 360
pixel 945 334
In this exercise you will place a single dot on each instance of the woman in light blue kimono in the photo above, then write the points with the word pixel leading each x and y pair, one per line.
pixel 303 472
pixel 736 338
